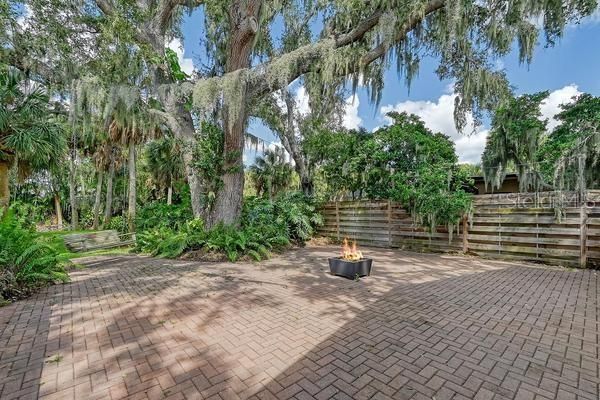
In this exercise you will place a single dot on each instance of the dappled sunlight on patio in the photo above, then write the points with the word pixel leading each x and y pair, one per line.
pixel 420 325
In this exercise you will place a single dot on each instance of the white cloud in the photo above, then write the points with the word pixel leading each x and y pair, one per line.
pixel 439 117
pixel 351 119
pixel 186 64
pixel 470 147
pixel 302 100
pixel 551 106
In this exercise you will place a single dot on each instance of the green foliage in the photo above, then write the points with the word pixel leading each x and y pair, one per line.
pixel 173 63
pixel 164 161
pixel 208 160
pixel 338 155
pixel 29 133
pixel 162 242
pixel 160 215
pixel 470 169
pixel 86 219
pixel 271 173
pixel 27 215
pixel 405 162
pixel 266 226
pixel 234 242
pixel 434 194
pixel 293 214
pixel 570 155
pixel 26 261
pixel 118 223
pixel 566 158
pixel 514 139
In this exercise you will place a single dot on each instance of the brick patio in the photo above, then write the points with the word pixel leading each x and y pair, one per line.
pixel 423 327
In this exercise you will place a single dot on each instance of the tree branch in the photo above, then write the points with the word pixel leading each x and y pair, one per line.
pixel 167 117
pixel 106 7
pixel 359 31
pixel 380 50
pixel 165 10
pixel 307 55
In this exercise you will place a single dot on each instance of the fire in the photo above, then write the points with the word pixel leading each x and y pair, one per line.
pixel 350 252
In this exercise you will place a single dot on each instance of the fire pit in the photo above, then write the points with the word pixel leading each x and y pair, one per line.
pixel 351 263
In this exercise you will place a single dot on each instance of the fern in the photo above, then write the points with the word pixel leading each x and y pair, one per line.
pixel 263 251
pixel 26 262
pixel 232 255
pixel 254 255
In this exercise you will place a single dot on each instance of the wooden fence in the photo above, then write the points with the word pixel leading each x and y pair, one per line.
pixel 518 226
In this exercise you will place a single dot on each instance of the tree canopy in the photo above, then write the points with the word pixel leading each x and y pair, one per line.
pixel 404 161
pixel 254 48
pixel 565 158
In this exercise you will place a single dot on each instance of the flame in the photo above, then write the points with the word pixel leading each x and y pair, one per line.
pixel 350 252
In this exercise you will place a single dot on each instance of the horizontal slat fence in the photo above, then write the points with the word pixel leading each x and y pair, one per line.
pixel 519 226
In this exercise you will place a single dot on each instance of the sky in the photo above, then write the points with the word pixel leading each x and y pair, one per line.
pixel 570 67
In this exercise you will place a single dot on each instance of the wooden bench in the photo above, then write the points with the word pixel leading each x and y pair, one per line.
pixel 77 242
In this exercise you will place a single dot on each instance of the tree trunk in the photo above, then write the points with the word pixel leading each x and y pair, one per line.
pixel 98 199
pixel 307 185
pixel 181 123
pixel 291 145
pixel 228 202
pixel 170 195
pixel 227 208
pixel 131 201
pixel 192 177
pixel 73 193
pixel 109 191
pixel 58 210
pixel 179 118
pixel 4 188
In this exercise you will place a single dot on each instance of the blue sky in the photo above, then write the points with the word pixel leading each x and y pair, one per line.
pixel 571 66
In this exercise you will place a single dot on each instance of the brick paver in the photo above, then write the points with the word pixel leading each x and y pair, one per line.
pixel 422 327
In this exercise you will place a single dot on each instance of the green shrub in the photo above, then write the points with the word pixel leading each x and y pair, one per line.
pixel 266 226
pixel 251 241
pixel 162 242
pixel 28 215
pixel 26 262
pixel 293 214
pixel 156 215
pixel 118 223
pixel 86 219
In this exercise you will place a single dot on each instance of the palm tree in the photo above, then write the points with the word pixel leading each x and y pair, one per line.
pixel 31 138
pixel 102 159
pixel 164 158
pixel 114 161
pixel 131 126
pixel 271 173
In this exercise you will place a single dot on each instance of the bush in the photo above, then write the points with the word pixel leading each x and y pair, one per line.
pixel 251 241
pixel 157 215
pixel 166 242
pixel 266 226
pixel 26 214
pixel 26 262
pixel 118 223
pixel 294 214
pixel 161 242
pixel 86 219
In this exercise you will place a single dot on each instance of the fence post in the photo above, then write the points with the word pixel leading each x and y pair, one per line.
pixel 337 219
pixel 465 232
pixel 389 222
pixel 583 235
